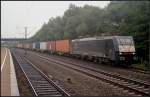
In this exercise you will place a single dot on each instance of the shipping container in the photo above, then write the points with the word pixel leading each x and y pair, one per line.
pixel 37 45
pixel 27 45
pixel 33 45
pixel 23 45
pixel 42 45
pixel 19 45
pixel 30 45
pixel 63 46
pixel 51 46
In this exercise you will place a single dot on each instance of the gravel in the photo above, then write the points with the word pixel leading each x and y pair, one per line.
pixel 23 85
pixel 76 83
pixel 122 71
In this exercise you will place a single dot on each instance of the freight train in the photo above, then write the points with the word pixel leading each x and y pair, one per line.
pixel 118 50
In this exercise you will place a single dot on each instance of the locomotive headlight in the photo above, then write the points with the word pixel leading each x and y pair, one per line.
pixel 133 53
pixel 120 53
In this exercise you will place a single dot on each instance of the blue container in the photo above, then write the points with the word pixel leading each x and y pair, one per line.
pixel 37 45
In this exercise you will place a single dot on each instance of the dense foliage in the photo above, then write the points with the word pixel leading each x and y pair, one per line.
pixel 118 18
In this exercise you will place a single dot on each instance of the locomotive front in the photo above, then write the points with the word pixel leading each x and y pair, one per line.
pixel 125 49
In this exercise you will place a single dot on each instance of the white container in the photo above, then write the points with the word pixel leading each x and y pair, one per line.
pixel 33 45
pixel 43 45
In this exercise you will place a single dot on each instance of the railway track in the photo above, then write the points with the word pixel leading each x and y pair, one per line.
pixel 129 69
pixel 39 82
pixel 134 87
pixel 104 72
pixel 139 71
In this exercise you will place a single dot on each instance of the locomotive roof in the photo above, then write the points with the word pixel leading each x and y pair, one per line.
pixel 101 38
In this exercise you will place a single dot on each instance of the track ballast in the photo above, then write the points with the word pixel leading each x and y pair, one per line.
pixel 39 82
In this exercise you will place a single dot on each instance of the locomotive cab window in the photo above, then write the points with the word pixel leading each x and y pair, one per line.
pixel 125 44
pixel 125 41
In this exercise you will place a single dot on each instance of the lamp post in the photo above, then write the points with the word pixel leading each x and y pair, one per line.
pixel 25 38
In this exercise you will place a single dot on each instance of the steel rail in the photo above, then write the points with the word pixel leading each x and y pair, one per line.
pixel 129 86
pixel 39 82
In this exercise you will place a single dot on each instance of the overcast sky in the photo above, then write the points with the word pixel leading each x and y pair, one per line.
pixel 15 15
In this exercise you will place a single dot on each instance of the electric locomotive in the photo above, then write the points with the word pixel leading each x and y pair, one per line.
pixel 118 50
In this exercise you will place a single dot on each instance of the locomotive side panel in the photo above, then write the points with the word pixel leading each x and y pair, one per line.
pixel 110 49
pixel 89 47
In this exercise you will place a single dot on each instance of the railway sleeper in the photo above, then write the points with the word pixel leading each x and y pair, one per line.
pixel 141 87
pixel 125 82
pixel 34 78
pixel 131 93
pixel 118 88
pixel 50 93
pixel 126 91
pixel 129 85
pixel 40 86
pixel 45 88
pixel 44 84
pixel 49 90
pixel 135 86
pixel 40 81
pixel 146 90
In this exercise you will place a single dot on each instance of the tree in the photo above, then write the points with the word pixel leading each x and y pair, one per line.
pixel 118 18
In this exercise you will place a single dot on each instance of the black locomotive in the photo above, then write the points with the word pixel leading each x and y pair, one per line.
pixel 113 49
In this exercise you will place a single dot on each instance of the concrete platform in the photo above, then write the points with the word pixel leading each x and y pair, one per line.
pixel 9 86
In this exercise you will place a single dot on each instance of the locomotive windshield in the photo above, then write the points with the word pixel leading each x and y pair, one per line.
pixel 125 41
pixel 125 44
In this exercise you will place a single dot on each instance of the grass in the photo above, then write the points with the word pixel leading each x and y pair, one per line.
pixel 139 66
